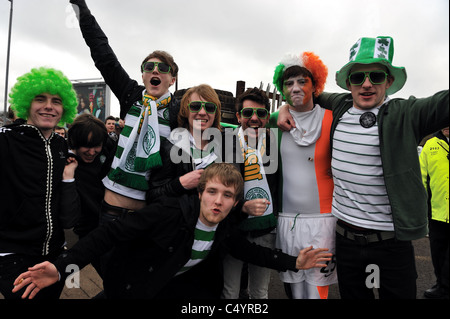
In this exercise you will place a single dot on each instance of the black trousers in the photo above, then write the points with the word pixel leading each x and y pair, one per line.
pixel 392 260
pixel 11 266
pixel 439 236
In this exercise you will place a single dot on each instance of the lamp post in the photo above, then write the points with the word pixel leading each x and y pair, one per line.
pixel 7 62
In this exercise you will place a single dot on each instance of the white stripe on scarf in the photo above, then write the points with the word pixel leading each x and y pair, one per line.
pixel 255 181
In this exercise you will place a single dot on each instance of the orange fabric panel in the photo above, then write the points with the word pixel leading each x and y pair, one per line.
pixel 322 162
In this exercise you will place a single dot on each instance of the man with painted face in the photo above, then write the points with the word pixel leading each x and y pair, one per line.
pixel 149 110
pixel 378 198
pixel 306 185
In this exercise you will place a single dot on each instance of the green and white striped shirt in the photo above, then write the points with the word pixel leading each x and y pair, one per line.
pixel 203 241
pixel 360 196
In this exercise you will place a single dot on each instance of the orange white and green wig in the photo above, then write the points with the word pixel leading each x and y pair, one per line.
pixel 43 80
pixel 307 60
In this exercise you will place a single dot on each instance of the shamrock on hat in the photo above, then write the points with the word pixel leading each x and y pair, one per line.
pixel 373 50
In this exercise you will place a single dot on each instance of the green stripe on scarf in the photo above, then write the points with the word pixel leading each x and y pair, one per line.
pixel 131 180
pixel 199 254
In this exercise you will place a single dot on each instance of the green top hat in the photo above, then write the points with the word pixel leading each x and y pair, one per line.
pixel 373 50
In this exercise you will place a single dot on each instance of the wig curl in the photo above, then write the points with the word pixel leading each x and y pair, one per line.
pixel 43 80
pixel 307 60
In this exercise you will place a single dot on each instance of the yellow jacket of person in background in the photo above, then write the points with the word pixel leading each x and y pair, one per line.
pixel 434 164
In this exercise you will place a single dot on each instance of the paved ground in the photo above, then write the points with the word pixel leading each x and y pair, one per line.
pixel 91 283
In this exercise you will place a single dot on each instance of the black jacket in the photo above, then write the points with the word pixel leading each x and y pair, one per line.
pixel 152 244
pixel 127 90
pixel 90 191
pixel 31 168
pixel 165 180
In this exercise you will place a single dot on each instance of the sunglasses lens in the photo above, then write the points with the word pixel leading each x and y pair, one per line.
pixel 262 113
pixel 357 78
pixel 377 77
pixel 247 113
pixel 195 106
pixel 148 66
pixel 163 68
pixel 210 107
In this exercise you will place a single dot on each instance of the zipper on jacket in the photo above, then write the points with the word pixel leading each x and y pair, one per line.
pixel 48 196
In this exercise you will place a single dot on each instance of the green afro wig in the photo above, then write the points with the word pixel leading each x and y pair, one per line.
pixel 43 80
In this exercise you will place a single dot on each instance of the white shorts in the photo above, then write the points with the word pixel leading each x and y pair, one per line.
pixel 295 233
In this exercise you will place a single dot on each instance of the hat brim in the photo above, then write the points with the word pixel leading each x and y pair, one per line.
pixel 399 74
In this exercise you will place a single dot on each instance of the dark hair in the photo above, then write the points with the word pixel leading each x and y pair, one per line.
pixel 255 95
pixel 87 131
pixel 110 118
pixel 164 57
pixel 296 70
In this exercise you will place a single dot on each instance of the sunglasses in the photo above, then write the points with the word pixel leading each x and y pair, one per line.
pixel 150 66
pixel 249 111
pixel 196 106
pixel 375 77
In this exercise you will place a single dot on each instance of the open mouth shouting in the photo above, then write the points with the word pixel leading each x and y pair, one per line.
pixel 155 81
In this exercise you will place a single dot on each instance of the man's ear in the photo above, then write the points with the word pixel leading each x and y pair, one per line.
pixel 238 116
pixel 389 81
pixel 172 82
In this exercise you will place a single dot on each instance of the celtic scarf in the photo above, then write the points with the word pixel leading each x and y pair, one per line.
pixel 139 142
pixel 255 183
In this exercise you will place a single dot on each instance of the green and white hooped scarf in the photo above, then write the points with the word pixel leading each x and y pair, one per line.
pixel 255 183
pixel 139 142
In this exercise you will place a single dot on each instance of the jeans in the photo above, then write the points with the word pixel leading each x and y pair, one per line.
pixel 391 259
pixel 258 277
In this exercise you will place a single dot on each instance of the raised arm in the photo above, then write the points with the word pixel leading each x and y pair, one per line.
pixel 104 57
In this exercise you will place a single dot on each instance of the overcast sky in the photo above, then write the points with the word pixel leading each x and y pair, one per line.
pixel 221 42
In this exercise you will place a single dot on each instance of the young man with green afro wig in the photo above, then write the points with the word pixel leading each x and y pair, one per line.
pixel 43 80
pixel 34 186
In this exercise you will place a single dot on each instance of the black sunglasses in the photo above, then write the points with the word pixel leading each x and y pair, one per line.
pixel 375 77
pixel 150 66
pixel 196 106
